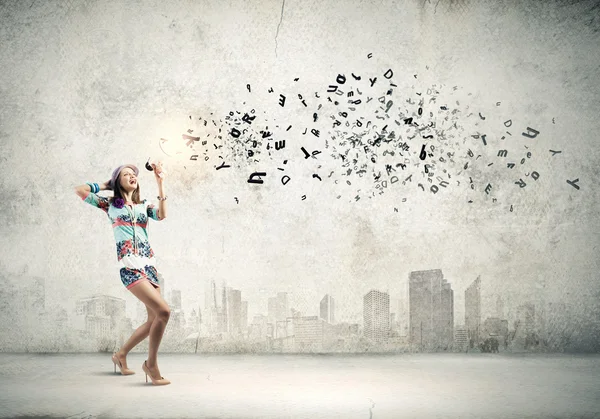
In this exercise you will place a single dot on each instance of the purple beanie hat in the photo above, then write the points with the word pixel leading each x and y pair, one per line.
pixel 115 175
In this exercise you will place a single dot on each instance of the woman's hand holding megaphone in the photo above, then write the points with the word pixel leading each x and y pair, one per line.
pixel 159 173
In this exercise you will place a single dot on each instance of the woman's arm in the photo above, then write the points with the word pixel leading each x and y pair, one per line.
pixel 159 175
pixel 83 190
pixel 162 204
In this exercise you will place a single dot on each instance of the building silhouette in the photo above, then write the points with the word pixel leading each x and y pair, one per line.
pixel 176 299
pixel 278 308
pixel 461 338
pixel 402 317
pixel 431 313
pixel 223 321
pixel 177 318
pixel 493 327
pixel 309 333
pixel 376 316
pixel 161 281
pixel 234 311
pixel 100 317
pixel 526 315
pixel 211 308
pixel 244 317
pixel 473 311
pixel 194 321
pixel 327 309
pixel 447 315
pixel 223 312
pixel 524 335
pixel 259 329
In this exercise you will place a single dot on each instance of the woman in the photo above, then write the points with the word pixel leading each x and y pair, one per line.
pixel 129 217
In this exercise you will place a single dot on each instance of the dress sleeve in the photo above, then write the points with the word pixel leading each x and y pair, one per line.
pixel 97 201
pixel 152 211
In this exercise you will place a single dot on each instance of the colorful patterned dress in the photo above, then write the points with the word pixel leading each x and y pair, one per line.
pixel 134 253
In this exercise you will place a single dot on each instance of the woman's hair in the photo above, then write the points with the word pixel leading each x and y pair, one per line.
pixel 118 192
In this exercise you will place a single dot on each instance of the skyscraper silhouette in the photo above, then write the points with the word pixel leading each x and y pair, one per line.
pixel 244 314
pixel 473 311
pixel 211 308
pixel 376 315
pixel 327 309
pixel 234 311
pixel 431 318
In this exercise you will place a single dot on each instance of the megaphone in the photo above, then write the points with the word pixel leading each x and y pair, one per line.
pixel 150 164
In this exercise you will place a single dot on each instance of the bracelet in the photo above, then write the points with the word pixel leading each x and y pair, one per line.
pixel 93 187
pixel 162 199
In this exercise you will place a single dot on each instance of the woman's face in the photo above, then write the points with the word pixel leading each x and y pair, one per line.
pixel 128 180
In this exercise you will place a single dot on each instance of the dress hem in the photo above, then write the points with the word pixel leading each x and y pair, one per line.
pixel 142 280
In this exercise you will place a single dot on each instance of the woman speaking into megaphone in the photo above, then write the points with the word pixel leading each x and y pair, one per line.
pixel 129 216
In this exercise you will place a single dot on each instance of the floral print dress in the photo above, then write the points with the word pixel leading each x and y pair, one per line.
pixel 130 224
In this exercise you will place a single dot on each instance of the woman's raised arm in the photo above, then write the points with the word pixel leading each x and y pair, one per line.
pixel 83 190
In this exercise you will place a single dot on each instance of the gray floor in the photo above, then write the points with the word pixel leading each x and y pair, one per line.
pixel 304 386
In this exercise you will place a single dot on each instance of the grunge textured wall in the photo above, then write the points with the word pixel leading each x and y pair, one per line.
pixel 87 86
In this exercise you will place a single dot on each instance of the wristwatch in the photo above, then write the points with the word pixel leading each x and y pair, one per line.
pixel 162 199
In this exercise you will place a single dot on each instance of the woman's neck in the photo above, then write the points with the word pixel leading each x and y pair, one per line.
pixel 128 197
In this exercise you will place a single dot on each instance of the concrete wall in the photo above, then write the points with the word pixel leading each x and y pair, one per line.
pixel 87 86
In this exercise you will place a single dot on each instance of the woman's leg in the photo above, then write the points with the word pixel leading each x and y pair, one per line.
pixel 138 336
pixel 151 297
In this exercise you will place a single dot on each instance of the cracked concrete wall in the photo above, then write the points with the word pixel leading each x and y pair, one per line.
pixel 87 86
